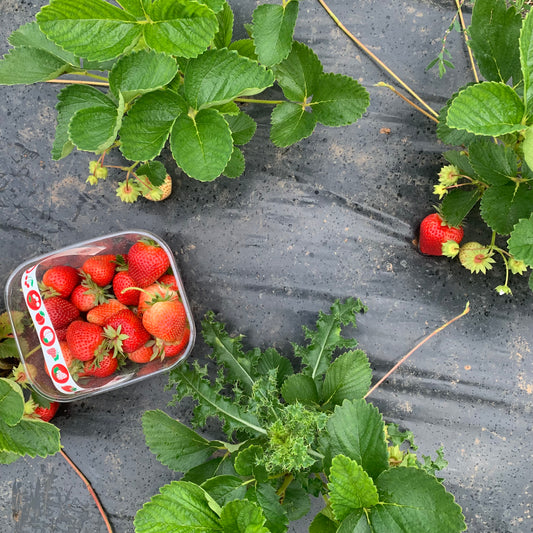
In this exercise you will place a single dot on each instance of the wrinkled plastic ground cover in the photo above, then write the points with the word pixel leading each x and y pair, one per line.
pixel 331 217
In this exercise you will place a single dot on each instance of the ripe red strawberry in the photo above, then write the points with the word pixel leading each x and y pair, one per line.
pixel 166 320
pixel 144 354
pixel 169 280
pixel 88 295
pixel 60 311
pixel 173 349
pixel 47 413
pixel 101 268
pixel 147 262
pixel 85 340
pixel 102 368
pixel 103 312
pixel 121 281
pixel 154 292
pixel 125 331
pixel 434 233
pixel 60 280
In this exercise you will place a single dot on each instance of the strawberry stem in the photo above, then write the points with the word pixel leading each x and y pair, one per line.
pixel 89 488
pixel 423 341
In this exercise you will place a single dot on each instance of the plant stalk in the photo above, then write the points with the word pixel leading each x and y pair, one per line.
pixel 410 102
pixel 423 341
pixel 459 5
pixel 89 488
pixel 376 59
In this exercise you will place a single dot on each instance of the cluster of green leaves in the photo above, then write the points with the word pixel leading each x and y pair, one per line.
pixel 293 434
pixel 20 434
pixel 175 75
pixel 492 122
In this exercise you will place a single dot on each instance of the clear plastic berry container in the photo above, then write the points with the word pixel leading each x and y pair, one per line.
pixel 39 344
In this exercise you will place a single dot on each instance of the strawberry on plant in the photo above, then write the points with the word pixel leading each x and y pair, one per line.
pixel 160 193
pixel 147 262
pixel 166 320
pixel 85 340
pixel 434 232
pixel 60 280
pixel 61 311
pixel 103 312
pixel 125 331
pixel 100 268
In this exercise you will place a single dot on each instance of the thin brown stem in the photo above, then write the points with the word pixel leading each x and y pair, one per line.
pixel 410 102
pixel 459 4
pixel 423 341
pixel 376 59
pixel 89 488
pixel 79 82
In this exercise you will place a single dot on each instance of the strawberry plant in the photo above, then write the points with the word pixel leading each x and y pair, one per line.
pixel 167 71
pixel 291 434
pixel 24 427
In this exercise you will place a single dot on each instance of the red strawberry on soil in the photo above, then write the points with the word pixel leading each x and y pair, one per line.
pixel 101 268
pixel 434 233
pixel 166 320
pixel 47 413
pixel 147 262
pixel 60 311
pixel 125 331
pixel 60 280
pixel 122 281
pixel 103 312
pixel 85 340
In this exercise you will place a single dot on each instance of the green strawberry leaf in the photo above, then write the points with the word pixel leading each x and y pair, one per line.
pixel 218 466
pixel 526 60
pixel 527 147
pixel 94 129
pixel 457 204
pixel 38 65
pixel 504 205
pixel 141 72
pixel 8 349
pixel 487 108
pixel 339 100
pixel 272 31
pixel 174 444
pixel 96 30
pixel 7 458
pixel 351 488
pixel 72 99
pixel 135 7
pixel 248 463
pixel 412 500
pixel 270 359
pixel 29 437
pixel 298 75
pixel 180 507
pixel 521 241
pixel 242 127
pixel 300 388
pixel 11 401
pixel 348 378
pixel 449 135
pixel 323 524
pixel 268 499
pixel 224 34
pixel 291 123
pixel 146 127
pixel 460 159
pixel 31 35
pixel 155 171
pixel 225 488
pixel 245 48
pixel 219 76
pixel 215 5
pixel 201 144
pixel 236 164
pixel 356 429
pixel 327 337
pixel 242 517
pixel 296 502
pixel 183 28
pixel 494 33
pixel 494 164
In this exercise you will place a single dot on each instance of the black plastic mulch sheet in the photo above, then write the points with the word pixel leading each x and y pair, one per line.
pixel 332 217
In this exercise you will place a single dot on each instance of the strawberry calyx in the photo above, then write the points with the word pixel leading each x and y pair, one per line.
pixel 114 340
pixel 476 257
pixel 128 191
pixel 100 294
